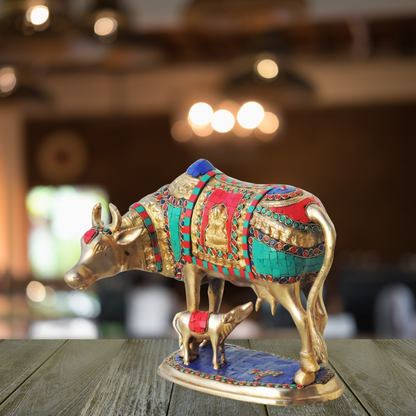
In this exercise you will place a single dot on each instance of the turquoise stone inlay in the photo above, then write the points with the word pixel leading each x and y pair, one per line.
pixel 174 214
pixel 267 260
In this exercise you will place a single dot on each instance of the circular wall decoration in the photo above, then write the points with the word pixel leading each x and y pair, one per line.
pixel 62 157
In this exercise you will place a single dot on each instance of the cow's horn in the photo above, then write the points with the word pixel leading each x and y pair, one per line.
pixel 96 216
pixel 116 219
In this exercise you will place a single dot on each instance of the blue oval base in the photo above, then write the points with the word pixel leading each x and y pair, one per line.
pixel 251 375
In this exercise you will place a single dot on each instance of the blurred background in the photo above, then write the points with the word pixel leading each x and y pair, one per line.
pixel 97 105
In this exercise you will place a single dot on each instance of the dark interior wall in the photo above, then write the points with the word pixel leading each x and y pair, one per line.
pixel 359 161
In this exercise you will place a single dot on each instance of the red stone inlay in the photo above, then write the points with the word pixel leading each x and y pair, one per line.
pixel 297 211
pixel 89 235
pixel 230 200
pixel 198 322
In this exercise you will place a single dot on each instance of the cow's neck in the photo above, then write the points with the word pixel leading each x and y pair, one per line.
pixel 134 257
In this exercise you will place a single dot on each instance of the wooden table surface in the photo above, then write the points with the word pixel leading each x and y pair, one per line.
pixel 118 377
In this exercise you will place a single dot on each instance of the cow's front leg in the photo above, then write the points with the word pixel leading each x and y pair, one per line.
pixel 192 277
pixel 215 292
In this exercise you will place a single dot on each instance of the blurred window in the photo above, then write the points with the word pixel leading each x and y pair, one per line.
pixel 59 216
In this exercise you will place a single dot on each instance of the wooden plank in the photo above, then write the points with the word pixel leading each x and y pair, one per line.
pixel 381 373
pixel 402 349
pixel 65 382
pixel 131 385
pixel 191 402
pixel 346 405
pixel 19 359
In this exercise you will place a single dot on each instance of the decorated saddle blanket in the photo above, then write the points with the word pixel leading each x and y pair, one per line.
pixel 232 227
pixel 198 322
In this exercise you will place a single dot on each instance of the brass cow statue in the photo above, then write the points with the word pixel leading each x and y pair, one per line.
pixel 206 227
pixel 218 327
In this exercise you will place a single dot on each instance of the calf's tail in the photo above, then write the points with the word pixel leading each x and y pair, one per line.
pixel 318 214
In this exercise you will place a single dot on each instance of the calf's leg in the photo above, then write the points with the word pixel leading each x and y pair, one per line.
pixel 214 342
pixel 222 349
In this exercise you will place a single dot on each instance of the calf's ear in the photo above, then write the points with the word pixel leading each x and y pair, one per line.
pixel 129 235
pixel 229 317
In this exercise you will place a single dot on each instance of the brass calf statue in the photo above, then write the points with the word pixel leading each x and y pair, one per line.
pixel 218 327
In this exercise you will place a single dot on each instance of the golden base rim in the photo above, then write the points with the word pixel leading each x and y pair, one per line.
pixel 315 393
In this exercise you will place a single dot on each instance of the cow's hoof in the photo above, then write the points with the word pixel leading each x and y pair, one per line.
pixel 216 367
pixel 186 362
pixel 308 362
pixel 304 379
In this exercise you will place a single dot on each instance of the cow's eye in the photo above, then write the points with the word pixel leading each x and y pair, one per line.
pixel 99 248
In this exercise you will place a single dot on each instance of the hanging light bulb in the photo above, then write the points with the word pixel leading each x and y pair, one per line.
pixel 250 115
pixel 105 26
pixel 8 81
pixel 267 68
pixel 200 114
pixel 37 15
pixel 222 121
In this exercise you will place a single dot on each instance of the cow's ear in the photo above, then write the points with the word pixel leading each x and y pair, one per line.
pixel 129 235
pixel 229 317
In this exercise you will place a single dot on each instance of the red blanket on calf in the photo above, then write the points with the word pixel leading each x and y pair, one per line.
pixel 198 322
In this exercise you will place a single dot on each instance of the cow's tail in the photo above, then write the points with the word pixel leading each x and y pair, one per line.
pixel 318 214
pixel 175 326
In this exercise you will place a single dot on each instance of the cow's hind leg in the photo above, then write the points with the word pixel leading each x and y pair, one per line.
pixel 288 296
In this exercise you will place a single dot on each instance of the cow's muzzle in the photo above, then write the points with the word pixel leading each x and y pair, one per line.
pixel 79 278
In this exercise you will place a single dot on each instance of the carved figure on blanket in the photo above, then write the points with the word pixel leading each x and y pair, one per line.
pixel 206 227
pixel 201 326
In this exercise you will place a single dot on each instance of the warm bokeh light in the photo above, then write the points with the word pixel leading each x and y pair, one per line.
pixel 7 80
pixel 269 124
pixel 250 115
pixel 181 131
pixel 200 114
pixel 222 121
pixel 267 68
pixel 50 296
pixel 203 131
pixel 105 26
pixel 35 291
pixel 229 105
pixel 37 15
pixel 263 137
pixel 241 131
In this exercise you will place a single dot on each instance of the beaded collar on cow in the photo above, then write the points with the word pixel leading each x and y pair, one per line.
pixel 147 221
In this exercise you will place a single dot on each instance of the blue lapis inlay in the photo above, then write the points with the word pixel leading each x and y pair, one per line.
pixel 241 362
pixel 200 167
pixel 279 190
